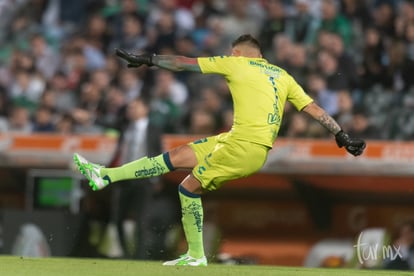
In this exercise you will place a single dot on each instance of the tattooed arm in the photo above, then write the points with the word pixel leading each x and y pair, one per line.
pixel 352 145
pixel 176 63
pixel 169 62
pixel 322 117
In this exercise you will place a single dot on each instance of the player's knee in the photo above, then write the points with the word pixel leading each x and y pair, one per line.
pixel 183 157
pixel 192 184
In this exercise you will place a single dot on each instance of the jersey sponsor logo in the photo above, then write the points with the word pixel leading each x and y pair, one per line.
pixel 267 69
pixel 265 65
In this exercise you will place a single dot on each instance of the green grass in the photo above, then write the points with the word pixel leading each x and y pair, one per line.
pixel 14 265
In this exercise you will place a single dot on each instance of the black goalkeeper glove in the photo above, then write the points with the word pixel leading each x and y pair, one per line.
pixel 135 60
pixel 352 145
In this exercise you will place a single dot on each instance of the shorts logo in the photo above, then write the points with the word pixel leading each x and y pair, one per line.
pixel 203 140
pixel 201 169
pixel 206 159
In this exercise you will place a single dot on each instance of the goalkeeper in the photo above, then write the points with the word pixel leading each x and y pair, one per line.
pixel 259 91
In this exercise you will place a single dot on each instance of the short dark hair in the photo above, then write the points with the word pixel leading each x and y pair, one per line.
pixel 246 39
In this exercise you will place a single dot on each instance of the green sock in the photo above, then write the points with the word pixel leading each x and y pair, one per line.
pixel 192 219
pixel 141 168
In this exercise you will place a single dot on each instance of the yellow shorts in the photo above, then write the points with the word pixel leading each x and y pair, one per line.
pixel 222 158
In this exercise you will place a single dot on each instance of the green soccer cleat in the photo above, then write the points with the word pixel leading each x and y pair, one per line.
pixel 91 172
pixel 187 260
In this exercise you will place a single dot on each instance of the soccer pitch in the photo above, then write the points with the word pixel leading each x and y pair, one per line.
pixel 14 265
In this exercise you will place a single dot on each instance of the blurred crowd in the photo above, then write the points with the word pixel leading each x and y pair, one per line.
pixel 59 74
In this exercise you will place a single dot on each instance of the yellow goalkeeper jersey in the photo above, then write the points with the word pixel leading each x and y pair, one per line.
pixel 259 91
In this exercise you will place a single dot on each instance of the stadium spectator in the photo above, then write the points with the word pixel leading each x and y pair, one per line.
pixel 372 67
pixel 132 35
pixel 346 63
pixel 111 108
pixel 134 198
pixel 281 50
pixel 409 38
pixel 399 68
pixel 240 18
pixel 131 84
pixel 19 120
pixel 65 98
pixel 361 126
pixel 46 60
pixel 90 98
pixel 297 62
pixel 181 15
pixel 168 88
pixel 98 30
pixel 405 17
pixel 400 121
pixel 326 98
pixel 22 60
pixel 4 102
pixel 43 120
pixel 4 110
pixel 297 126
pixel 357 12
pixel 163 34
pixel 345 109
pixel 333 21
pixel 74 65
pixel 84 122
pixel 301 26
pixel 274 23
pixel 213 102
pixel 202 122
pixel 26 90
pixel 112 66
pixel 65 124
pixel 328 65
pixel 384 16
pixel 116 13
pixel 101 80
pixel 48 100
pixel 168 98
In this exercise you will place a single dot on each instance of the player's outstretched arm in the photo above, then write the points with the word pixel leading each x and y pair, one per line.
pixel 169 62
pixel 353 145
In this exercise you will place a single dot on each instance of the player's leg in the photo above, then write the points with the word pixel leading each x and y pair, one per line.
pixel 99 176
pixel 189 192
pixel 192 220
